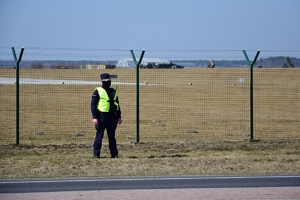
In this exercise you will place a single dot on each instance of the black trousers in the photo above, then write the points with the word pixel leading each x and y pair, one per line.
pixel 108 122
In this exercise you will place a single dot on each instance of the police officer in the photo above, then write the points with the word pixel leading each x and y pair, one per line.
pixel 106 114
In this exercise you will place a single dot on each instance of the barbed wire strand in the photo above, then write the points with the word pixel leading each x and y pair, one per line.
pixel 126 56
pixel 150 50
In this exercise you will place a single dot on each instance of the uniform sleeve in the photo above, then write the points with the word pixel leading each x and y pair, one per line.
pixel 118 112
pixel 94 103
pixel 112 93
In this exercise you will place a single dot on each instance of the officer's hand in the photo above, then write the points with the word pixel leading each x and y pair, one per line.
pixel 120 121
pixel 95 121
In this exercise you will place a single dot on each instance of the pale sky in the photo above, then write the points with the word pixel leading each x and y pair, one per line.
pixel 163 28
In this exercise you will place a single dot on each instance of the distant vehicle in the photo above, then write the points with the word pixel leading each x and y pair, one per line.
pixel 177 67
pixel 211 64
pixel 161 65
pixel 288 63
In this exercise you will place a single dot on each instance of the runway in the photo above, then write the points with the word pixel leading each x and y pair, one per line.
pixel 5 80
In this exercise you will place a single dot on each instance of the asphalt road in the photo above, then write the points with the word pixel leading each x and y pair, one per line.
pixel 88 184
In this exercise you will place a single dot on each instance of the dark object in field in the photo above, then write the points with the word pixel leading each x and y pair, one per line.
pixel 211 64
pixel 288 63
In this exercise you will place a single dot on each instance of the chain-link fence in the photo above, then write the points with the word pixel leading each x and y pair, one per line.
pixel 193 103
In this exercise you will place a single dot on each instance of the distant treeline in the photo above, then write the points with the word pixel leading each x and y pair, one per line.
pixel 278 61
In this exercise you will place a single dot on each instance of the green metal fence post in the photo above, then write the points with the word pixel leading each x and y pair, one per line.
pixel 251 92
pixel 17 61
pixel 137 64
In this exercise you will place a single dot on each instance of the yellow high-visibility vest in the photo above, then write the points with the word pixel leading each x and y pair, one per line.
pixel 104 104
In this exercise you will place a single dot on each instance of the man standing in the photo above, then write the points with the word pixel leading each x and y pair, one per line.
pixel 106 114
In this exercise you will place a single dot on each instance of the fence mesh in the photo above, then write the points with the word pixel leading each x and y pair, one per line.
pixel 176 105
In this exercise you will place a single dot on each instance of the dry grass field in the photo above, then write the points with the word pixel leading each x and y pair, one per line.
pixel 175 105
pixel 151 159
pixel 192 122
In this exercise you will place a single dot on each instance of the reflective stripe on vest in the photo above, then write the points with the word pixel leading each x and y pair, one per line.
pixel 104 104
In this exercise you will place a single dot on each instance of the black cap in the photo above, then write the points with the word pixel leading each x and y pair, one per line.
pixel 104 76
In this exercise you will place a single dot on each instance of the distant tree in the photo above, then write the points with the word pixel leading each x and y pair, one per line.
pixel 63 65
pixel 37 65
